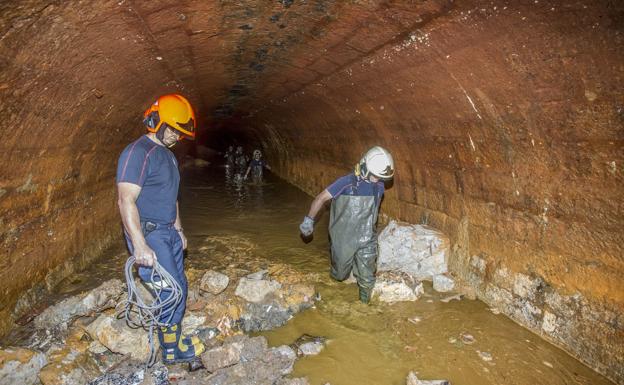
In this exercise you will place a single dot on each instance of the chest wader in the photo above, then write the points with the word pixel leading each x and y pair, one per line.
pixel 354 241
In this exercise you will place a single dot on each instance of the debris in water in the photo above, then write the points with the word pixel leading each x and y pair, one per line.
pixel 414 320
pixel 468 339
pixel 485 356
pixel 547 364
pixel 494 310
pixel 449 299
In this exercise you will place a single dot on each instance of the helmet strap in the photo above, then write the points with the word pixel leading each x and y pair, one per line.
pixel 364 170
pixel 160 135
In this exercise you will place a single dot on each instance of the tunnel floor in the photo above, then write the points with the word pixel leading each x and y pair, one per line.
pixel 376 344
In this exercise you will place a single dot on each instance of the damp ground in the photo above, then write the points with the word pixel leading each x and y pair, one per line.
pixel 463 341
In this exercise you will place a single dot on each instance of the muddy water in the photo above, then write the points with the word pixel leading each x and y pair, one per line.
pixel 376 344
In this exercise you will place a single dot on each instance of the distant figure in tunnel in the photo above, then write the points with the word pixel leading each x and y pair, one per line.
pixel 147 183
pixel 229 157
pixel 356 199
pixel 240 161
pixel 256 167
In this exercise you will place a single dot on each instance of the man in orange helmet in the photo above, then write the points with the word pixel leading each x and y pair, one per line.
pixel 147 185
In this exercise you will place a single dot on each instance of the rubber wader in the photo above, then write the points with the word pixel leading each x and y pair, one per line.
pixel 354 241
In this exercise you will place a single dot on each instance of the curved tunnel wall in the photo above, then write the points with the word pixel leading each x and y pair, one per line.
pixel 506 124
pixel 505 119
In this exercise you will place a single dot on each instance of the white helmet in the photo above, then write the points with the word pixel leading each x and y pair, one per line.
pixel 378 162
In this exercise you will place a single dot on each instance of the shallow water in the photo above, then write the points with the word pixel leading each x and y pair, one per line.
pixel 375 344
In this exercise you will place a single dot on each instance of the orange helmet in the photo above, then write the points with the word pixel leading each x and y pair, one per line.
pixel 173 110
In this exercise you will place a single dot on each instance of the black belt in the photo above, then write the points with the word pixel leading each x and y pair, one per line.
pixel 149 226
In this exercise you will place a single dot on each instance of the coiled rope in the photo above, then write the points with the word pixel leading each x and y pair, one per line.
pixel 151 313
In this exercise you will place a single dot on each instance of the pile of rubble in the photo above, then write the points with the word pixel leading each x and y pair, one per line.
pixel 83 340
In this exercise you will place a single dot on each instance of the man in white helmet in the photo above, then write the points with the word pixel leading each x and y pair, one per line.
pixel 356 198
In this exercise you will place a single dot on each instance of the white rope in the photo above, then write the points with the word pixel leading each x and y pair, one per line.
pixel 146 313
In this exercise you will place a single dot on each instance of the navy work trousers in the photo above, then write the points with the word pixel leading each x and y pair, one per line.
pixel 167 244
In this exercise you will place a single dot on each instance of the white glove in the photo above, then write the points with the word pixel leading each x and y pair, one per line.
pixel 307 226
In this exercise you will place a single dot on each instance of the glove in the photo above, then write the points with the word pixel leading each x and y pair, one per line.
pixel 307 226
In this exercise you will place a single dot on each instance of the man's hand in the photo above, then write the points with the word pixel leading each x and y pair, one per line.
pixel 184 241
pixel 307 226
pixel 144 255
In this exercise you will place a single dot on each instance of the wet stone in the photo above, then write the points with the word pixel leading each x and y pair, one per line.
pixel 308 345
pixel 243 360
pixel 213 282
pixel 412 379
pixel 261 317
pixel 20 366
pixel 233 350
pixel 485 356
pixel 414 249
pixel 443 283
pixel 397 287
pixel 467 339
pixel 103 297
pixel 255 291
pixel 119 338
pixel 133 373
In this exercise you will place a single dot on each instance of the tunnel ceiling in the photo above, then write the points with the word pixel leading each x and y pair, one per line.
pixel 505 119
pixel 230 55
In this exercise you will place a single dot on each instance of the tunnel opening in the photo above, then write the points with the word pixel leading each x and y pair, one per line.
pixel 505 121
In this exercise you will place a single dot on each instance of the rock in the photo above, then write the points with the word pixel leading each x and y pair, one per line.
pixel 206 334
pixel 119 338
pixel 308 345
pixel 20 366
pixel 213 282
pixel 133 373
pixel 192 322
pixel 311 348
pixel 260 317
pixel 443 283
pixel 485 356
pixel 457 297
pixel 105 296
pixel 258 275
pixel 397 287
pixel 293 381
pixel 413 380
pixel 468 339
pixel 265 369
pixel 71 364
pixel 414 249
pixel 255 291
pixel 233 350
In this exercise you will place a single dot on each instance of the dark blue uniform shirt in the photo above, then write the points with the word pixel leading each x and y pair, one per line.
pixel 354 185
pixel 154 168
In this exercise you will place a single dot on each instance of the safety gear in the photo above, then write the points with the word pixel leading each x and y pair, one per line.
pixel 174 111
pixel 307 226
pixel 176 348
pixel 376 161
pixel 257 154
pixel 365 295
pixel 352 229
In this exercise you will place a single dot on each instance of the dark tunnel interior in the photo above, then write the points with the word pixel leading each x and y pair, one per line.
pixel 505 120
